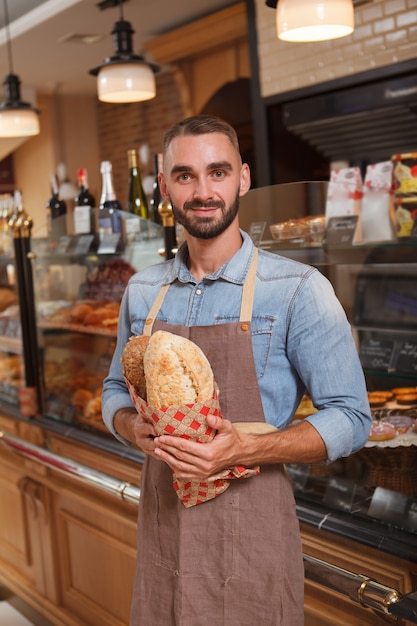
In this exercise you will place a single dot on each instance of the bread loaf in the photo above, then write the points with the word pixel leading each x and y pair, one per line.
pixel 132 363
pixel 176 371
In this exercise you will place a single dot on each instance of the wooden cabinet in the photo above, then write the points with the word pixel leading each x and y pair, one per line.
pixel 67 549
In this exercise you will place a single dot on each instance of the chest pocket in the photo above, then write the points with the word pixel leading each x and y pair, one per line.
pixel 261 328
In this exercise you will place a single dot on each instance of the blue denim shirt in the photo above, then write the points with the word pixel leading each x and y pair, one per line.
pixel 301 338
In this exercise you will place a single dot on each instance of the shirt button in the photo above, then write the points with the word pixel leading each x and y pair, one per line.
pixel 198 292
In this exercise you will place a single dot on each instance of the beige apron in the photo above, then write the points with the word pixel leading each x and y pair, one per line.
pixel 235 560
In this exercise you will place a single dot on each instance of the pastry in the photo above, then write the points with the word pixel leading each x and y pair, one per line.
pixel 376 400
pixel 402 423
pixel 402 390
pixel 407 398
pixel 381 431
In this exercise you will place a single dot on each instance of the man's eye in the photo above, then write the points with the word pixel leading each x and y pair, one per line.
pixel 184 176
pixel 218 174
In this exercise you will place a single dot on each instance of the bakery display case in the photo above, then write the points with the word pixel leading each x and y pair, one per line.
pixel 77 294
pixel 377 286
pixel 11 347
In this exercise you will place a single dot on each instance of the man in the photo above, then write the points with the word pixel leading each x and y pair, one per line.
pixel 271 328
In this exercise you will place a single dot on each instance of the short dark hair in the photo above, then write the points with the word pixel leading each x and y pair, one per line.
pixel 201 125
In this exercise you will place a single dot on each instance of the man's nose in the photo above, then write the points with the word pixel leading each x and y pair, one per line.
pixel 203 190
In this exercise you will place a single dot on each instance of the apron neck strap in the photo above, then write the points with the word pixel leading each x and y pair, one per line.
pixel 249 290
pixel 245 308
pixel 147 328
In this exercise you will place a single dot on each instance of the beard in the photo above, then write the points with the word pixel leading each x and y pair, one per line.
pixel 206 227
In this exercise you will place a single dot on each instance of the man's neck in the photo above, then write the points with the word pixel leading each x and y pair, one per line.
pixel 207 255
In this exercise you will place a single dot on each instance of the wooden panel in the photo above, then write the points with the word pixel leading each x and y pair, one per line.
pixel 8 424
pixel 110 464
pixel 97 552
pixel 14 538
pixel 209 33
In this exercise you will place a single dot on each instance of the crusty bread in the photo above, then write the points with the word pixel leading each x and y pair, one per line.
pixel 176 371
pixel 132 363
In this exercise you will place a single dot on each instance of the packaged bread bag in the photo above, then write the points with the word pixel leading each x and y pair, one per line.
pixel 378 219
pixel 172 386
pixel 344 197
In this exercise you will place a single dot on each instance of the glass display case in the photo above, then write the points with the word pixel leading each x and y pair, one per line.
pixel 78 289
pixel 12 369
pixel 376 283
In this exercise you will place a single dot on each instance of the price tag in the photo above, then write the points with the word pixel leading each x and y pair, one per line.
pixel 407 358
pixel 376 354
pixel 339 493
pixel 393 507
pixel 256 231
pixel 109 243
pixel 83 244
pixel 63 244
pixel 341 230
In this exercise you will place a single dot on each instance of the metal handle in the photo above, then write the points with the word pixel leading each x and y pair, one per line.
pixel 124 490
pixel 361 589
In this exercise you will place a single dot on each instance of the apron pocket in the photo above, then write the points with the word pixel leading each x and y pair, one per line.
pixel 201 541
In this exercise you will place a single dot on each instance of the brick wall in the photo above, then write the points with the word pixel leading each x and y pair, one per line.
pixel 125 126
pixel 385 33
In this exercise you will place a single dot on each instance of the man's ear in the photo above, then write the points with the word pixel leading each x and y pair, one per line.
pixel 244 179
pixel 163 186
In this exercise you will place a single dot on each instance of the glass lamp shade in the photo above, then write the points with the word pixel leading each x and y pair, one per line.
pixel 314 20
pixel 18 122
pixel 126 82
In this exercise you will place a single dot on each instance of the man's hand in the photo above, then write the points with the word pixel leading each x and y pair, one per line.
pixel 299 443
pixel 130 425
pixel 190 459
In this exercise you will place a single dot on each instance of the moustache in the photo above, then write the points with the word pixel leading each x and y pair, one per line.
pixel 197 204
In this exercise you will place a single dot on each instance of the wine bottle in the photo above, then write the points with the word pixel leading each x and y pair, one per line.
pixel 137 202
pixel 56 214
pixel 109 220
pixel 84 206
pixel 156 198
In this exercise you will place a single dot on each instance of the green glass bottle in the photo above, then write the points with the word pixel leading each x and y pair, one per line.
pixel 137 202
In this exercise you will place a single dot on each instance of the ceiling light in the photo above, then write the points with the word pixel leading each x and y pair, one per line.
pixel 17 118
pixel 313 20
pixel 125 77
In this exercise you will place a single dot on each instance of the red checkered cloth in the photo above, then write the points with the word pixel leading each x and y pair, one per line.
pixel 189 421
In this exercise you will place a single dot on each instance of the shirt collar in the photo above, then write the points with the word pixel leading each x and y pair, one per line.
pixel 233 271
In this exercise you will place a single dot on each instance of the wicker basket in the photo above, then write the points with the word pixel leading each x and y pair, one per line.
pixel 391 468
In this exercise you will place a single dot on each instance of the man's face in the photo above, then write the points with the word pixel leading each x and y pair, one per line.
pixel 203 179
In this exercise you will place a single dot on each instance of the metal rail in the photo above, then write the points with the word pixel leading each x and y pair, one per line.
pixel 124 490
pixel 358 588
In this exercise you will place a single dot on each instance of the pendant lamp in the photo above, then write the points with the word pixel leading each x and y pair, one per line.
pixel 125 77
pixel 17 118
pixel 313 20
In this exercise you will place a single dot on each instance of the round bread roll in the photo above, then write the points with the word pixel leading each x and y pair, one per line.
pixel 176 371
pixel 132 363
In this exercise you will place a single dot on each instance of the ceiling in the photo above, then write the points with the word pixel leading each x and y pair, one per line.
pixel 55 43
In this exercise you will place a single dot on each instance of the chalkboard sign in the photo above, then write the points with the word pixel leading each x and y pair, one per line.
pixel 407 358
pixel 376 354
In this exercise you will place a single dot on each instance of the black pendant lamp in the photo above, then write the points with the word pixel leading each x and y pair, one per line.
pixel 125 76
pixel 17 118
